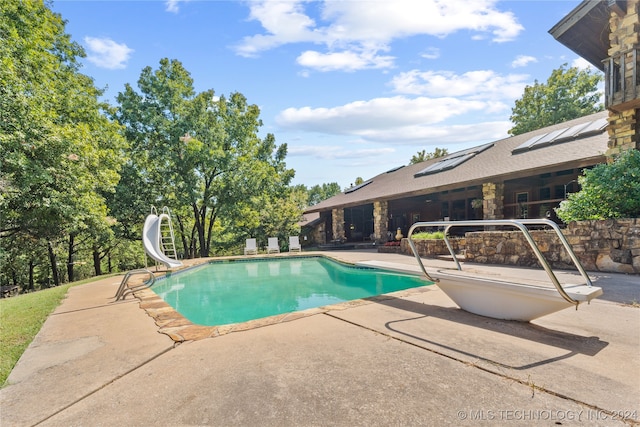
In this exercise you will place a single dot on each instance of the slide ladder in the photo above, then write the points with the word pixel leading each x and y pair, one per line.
pixel 167 237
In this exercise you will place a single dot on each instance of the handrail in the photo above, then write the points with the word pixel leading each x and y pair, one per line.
pixel 519 224
pixel 123 291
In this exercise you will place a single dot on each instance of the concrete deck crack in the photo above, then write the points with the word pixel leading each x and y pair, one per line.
pixel 124 374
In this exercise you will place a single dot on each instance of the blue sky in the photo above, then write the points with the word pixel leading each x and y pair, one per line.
pixel 354 87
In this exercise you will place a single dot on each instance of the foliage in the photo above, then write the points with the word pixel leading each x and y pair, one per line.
pixel 423 156
pixel 318 193
pixel 609 190
pixel 59 151
pixel 428 235
pixel 568 94
pixel 201 155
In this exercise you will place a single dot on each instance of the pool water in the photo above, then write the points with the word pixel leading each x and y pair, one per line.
pixel 225 292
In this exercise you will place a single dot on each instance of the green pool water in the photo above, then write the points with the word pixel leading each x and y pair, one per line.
pixel 221 293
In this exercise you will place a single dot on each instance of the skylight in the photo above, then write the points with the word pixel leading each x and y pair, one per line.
pixel 582 130
pixel 395 169
pixel 357 187
pixel 452 160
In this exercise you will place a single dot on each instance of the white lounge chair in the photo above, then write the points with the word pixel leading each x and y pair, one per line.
pixel 251 247
pixel 273 246
pixel 294 244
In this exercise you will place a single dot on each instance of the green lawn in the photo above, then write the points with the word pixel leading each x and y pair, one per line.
pixel 21 317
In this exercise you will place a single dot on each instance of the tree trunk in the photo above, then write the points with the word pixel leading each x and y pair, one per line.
pixel 54 265
pixel 31 270
pixel 72 238
pixel 183 235
pixel 96 261
pixel 199 224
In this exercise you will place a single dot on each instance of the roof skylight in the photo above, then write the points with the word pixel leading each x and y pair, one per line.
pixel 357 187
pixel 452 160
pixel 582 130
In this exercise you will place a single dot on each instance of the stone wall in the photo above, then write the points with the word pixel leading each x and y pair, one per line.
pixel 431 248
pixel 611 246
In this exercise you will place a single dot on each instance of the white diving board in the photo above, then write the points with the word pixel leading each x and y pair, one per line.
pixel 502 298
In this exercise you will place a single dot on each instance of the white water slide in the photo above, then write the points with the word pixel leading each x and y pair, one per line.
pixel 152 239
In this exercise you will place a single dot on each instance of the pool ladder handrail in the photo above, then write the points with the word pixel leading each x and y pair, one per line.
pixel 123 291
pixel 520 225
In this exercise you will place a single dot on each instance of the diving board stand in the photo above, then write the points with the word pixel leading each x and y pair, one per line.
pixel 503 298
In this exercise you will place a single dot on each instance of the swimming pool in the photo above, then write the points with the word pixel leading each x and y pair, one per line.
pixel 234 291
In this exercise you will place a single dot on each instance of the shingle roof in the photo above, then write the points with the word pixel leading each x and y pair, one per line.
pixel 496 163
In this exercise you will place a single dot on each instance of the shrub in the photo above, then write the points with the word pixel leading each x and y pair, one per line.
pixel 428 235
pixel 608 191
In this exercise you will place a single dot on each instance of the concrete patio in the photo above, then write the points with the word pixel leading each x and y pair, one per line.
pixel 412 359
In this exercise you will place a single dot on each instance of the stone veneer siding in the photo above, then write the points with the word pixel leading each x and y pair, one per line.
pixel 493 200
pixel 611 246
pixel 380 220
pixel 337 218
pixel 624 129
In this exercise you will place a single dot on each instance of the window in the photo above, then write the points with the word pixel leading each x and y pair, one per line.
pixel 545 193
pixel 522 200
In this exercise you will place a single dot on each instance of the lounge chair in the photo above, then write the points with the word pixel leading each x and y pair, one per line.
pixel 294 244
pixel 251 247
pixel 273 246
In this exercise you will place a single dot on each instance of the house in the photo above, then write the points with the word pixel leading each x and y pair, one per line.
pixel 524 176
pixel 605 33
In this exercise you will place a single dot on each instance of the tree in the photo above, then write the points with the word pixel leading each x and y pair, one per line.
pixel 423 156
pixel 59 151
pixel 568 94
pixel 201 155
pixel 609 190
pixel 318 193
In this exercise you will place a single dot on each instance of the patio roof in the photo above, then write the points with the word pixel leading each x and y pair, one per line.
pixel 495 162
pixel 585 30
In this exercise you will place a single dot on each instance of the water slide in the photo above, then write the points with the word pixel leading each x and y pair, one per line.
pixel 151 238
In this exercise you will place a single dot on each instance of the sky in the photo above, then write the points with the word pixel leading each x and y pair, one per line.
pixel 353 87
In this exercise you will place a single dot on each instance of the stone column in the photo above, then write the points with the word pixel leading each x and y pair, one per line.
pixel 624 131
pixel 337 218
pixel 380 220
pixel 624 39
pixel 493 200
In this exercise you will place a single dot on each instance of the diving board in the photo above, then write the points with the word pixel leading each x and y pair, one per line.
pixel 504 298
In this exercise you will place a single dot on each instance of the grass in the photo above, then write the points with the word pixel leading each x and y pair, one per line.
pixel 21 317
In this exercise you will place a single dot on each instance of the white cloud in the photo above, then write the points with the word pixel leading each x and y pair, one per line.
pixel 105 53
pixel 349 29
pixel 431 53
pixel 173 6
pixel 345 61
pixel 335 152
pixel 582 64
pixel 523 61
pixel 479 84
pixel 369 120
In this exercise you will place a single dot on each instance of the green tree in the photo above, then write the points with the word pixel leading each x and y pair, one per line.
pixel 568 94
pixel 609 190
pixel 423 156
pixel 201 154
pixel 59 151
pixel 321 192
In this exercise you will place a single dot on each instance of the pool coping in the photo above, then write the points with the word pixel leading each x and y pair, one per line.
pixel 171 323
